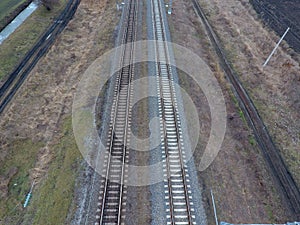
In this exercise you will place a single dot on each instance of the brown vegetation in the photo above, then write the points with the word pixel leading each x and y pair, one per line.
pixel 49 4
pixel 33 129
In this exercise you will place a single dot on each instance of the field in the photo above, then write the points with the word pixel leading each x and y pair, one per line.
pixel 274 89
pixel 38 143
pixel 279 15
pixel 14 48
pixel 7 7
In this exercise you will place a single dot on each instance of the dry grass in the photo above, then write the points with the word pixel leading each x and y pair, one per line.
pixel 274 89
pixel 51 203
pixel 241 183
pixel 14 48
pixel 43 105
pixel 6 9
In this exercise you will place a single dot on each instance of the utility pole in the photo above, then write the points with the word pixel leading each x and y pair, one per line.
pixel 28 195
pixel 214 206
pixel 268 59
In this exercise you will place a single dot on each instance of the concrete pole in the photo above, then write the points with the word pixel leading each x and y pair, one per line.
pixel 268 59
pixel 214 206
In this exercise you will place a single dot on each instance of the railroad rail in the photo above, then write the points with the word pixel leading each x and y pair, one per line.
pixel 21 72
pixel 285 182
pixel 178 198
pixel 111 208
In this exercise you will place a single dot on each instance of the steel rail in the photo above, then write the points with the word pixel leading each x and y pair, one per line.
pixel 121 115
pixel 167 94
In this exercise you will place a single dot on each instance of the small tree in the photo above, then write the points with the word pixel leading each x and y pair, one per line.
pixel 49 4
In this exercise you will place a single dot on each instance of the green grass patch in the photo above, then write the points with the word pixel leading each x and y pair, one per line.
pixel 21 154
pixel 51 203
pixel 240 111
pixel 252 140
pixel 7 7
pixel 270 213
pixel 14 48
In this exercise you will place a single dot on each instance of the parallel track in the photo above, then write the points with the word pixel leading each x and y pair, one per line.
pixel 20 73
pixel 111 208
pixel 178 198
pixel 285 181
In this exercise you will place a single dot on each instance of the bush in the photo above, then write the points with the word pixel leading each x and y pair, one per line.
pixel 49 4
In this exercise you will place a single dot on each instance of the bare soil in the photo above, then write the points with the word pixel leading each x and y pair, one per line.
pixel 241 183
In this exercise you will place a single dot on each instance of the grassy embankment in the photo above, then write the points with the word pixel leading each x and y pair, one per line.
pixel 21 155
pixel 51 202
pixel 56 192
pixel 7 7
pixel 14 48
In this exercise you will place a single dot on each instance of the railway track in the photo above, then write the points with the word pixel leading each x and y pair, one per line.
pixel 285 182
pixel 14 81
pixel 112 198
pixel 178 198
pixel 177 188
